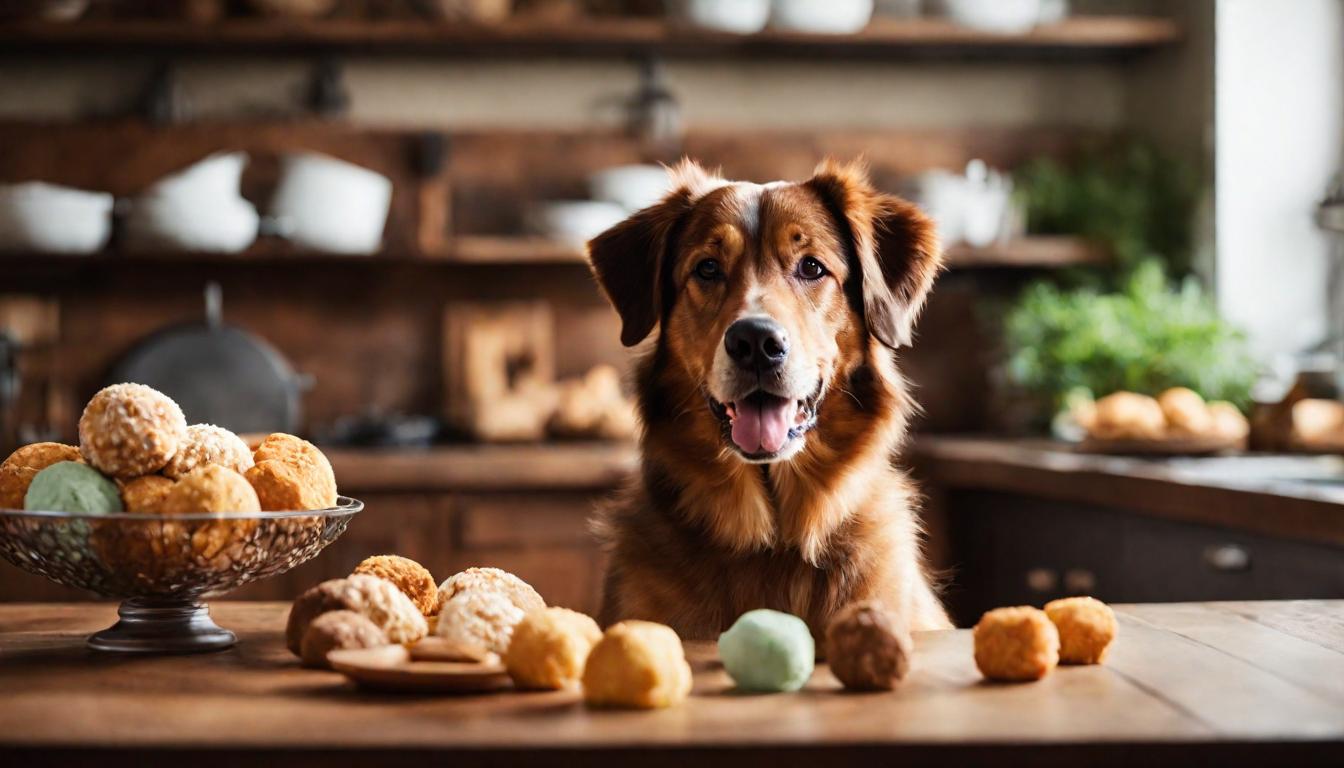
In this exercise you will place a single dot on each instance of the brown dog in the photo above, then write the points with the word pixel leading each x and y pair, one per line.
pixel 770 401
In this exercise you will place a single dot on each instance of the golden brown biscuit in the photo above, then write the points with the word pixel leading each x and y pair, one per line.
pixel 207 444
pixel 479 619
pixel 1128 416
pixel 1016 644
pixel 292 474
pixel 637 664
pixel 1185 412
pixel 144 494
pixel 337 630
pixel 549 648
pixel 1086 628
pixel 518 592
pixel 376 599
pixel 867 649
pixel 17 471
pixel 211 488
pixel 410 577
pixel 128 430
pixel 1228 421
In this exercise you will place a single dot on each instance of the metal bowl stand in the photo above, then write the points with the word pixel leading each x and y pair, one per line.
pixel 163 626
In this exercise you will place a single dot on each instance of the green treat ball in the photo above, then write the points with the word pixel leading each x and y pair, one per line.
pixel 767 650
pixel 69 486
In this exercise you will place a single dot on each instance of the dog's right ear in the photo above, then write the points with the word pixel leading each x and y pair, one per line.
pixel 628 258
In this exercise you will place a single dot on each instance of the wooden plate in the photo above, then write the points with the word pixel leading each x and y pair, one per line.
pixel 390 668
pixel 1176 446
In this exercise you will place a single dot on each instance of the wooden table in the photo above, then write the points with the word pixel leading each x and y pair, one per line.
pixel 1249 683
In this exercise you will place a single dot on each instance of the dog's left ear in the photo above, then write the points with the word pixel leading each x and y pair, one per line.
pixel 895 244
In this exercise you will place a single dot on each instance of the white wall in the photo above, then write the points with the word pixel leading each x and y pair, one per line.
pixel 1279 101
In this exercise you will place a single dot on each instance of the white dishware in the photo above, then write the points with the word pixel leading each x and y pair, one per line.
pixel 326 204
pixel 48 218
pixel 987 199
pixel 742 17
pixel 942 194
pixel 197 209
pixel 630 186
pixel 828 17
pixel 574 221
pixel 1002 16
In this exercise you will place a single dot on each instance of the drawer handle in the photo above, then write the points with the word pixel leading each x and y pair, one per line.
pixel 1227 558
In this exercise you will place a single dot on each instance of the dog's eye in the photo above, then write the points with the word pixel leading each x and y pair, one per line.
pixel 708 270
pixel 811 269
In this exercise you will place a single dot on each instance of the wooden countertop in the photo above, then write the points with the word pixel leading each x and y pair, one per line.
pixel 476 467
pixel 1185 684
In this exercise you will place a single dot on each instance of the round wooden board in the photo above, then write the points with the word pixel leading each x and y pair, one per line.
pixel 390 668
pixel 1176 446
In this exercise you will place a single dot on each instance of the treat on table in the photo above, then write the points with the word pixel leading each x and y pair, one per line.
pixel 866 648
pixel 637 664
pixel 207 444
pixel 291 474
pixel 1086 628
pixel 207 489
pixel 1185 412
pixel 1228 421
pixel 338 630
pixel 72 486
pixel 376 599
pixel 144 495
pixel 128 430
pixel 18 471
pixel 518 592
pixel 1016 644
pixel 1128 416
pixel 768 651
pixel 479 619
pixel 549 648
pixel 410 577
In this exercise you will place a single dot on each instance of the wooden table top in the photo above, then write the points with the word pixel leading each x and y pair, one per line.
pixel 1232 682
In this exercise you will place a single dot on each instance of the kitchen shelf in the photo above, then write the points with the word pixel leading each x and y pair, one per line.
pixel 1077 37
pixel 485 467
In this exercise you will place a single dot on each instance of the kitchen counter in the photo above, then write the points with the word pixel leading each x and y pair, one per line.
pixel 483 467
pixel 1227 683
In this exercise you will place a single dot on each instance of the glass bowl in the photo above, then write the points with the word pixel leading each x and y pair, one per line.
pixel 161 567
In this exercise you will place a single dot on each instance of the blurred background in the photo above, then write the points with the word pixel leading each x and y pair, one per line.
pixel 362 222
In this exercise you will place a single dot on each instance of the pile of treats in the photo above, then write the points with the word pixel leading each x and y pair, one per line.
pixel 1023 643
pixel 1177 413
pixel 137 454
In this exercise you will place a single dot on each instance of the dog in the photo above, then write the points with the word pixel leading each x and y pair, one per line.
pixel 770 401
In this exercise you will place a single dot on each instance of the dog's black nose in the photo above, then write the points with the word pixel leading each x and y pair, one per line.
pixel 756 343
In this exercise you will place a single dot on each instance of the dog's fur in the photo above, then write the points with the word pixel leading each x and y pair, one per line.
pixel 707 532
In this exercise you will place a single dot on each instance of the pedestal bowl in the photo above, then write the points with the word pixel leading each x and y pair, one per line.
pixel 162 567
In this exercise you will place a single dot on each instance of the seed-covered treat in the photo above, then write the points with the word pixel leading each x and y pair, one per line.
pixel 768 651
pixel 207 444
pixel 292 474
pixel 549 648
pixel 377 599
pixel 410 577
pixel 1016 644
pixel 144 495
pixel 479 619
pixel 867 649
pixel 128 430
pixel 338 630
pixel 1086 628
pixel 18 471
pixel 211 488
pixel 637 664
pixel 72 486
pixel 518 592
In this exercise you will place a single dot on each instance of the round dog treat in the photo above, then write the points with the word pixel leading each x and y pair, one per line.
pixel 1016 644
pixel 211 488
pixel 549 648
pixel 518 592
pixel 310 483
pixel 18 471
pixel 479 619
pixel 335 630
pixel 207 444
pixel 1185 411
pixel 145 494
pixel 128 430
pixel 1228 421
pixel 376 599
pixel 1128 416
pixel 637 664
pixel 866 649
pixel 72 486
pixel 410 577
pixel 1086 628
pixel 767 650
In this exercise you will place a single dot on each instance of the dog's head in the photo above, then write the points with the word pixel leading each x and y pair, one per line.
pixel 769 296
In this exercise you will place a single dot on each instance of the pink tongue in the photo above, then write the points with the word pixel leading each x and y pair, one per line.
pixel 761 426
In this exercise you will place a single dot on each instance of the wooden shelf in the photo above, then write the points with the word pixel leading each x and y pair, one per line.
pixel 1078 37
pixel 485 467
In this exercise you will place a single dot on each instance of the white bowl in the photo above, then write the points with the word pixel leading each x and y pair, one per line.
pixel 47 218
pixel 574 221
pixel 630 186
pixel 1003 16
pixel 742 17
pixel 199 208
pixel 829 17
pixel 327 204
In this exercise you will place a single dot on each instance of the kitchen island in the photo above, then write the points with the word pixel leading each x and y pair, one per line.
pixel 1225 683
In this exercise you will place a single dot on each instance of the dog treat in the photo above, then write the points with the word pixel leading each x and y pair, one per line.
pixel 866 649
pixel 1128 416
pixel 211 488
pixel 207 444
pixel 518 592
pixel 337 630
pixel 1228 420
pixel 637 664
pixel 376 599
pixel 1016 644
pixel 145 494
pixel 292 474
pixel 479 619
pixel 1086 628
pixel 410 577
pixel 549 648
pixel 768 650
pixel 1185 412
pixel 128 430
pixel 18 471
pixel 72 486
